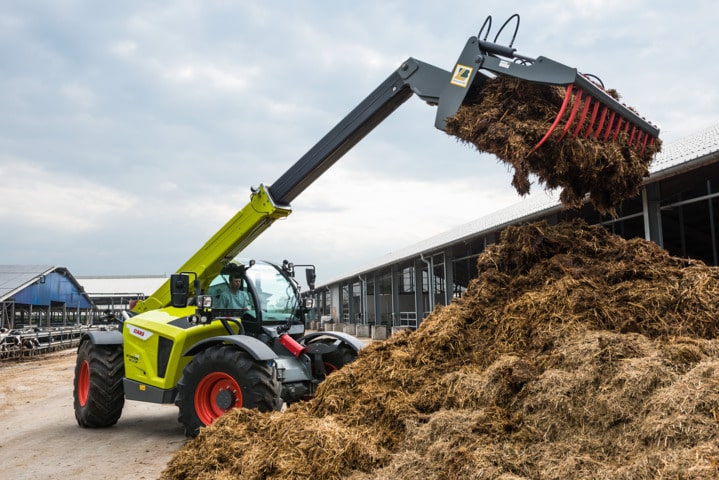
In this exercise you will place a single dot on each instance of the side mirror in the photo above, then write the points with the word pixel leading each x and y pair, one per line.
pixel 311 277
pixel 179 289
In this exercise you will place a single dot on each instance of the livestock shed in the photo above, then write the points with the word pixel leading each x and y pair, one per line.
pixel 45 308
pixel 42 308
pixel 41 296
pixel 678 209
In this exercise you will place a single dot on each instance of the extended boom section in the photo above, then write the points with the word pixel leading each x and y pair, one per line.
pixel 412 77
pixel 587 111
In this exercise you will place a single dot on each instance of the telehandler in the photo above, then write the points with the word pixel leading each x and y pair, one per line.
pixel 175 347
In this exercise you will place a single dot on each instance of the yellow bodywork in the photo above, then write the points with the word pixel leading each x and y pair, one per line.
pixel 141 338
pixel 231 239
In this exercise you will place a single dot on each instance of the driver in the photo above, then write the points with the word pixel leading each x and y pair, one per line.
pixel 234 297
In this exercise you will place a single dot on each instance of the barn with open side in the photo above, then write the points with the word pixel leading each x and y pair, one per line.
pixel 678 209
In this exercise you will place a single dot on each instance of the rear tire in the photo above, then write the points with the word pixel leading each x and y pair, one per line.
pixel 98 390
pixel 220 378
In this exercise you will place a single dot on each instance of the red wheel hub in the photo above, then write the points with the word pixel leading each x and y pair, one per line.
pixel 83 383
pixel 217 393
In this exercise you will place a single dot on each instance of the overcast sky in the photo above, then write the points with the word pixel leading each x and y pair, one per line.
pixel 131 131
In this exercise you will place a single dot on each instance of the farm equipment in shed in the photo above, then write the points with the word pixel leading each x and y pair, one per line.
pixel 177 346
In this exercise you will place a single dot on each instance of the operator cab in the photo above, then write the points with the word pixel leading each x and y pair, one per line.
pixel 272 296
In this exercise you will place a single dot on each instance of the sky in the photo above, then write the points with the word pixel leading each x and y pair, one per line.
pixel 131 131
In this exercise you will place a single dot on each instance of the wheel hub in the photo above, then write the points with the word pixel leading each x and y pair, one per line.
pixel 225 399
pixel 216 393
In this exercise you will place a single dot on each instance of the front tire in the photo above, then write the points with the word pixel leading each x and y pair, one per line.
pixel 98 390
pixel 219 379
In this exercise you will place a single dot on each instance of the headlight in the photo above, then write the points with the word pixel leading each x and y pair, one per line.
pixel 204 301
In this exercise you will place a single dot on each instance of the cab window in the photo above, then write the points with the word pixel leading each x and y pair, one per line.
pixel 275 293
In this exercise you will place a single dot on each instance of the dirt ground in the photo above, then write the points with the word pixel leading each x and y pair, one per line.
pixel 40 439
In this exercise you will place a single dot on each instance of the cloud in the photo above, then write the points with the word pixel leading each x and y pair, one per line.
pixel 353 216
pixel 131 131
pixel 34 198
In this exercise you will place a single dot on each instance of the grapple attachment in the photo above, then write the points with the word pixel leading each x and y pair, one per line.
pixel 588 110
pixel 548 122
pixel 592 112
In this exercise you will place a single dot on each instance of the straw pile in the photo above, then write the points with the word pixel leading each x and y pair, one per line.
pixel 511 116
pixel 573 354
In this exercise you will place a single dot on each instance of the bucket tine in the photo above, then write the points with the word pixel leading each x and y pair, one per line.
pixel 610 125
pixel 592 119
pixel 648 141
pixel 602 117
pixel 583 115
pixel 572 114
pixel 631 135
pixel 565 102
pixel 618 128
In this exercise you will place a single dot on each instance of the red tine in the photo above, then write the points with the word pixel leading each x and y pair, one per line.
pixel 595 110
pixel 602 116
pixel 617 128
pixel 583 115
pixel 610 126
pixel 567 96
pixel 644 145
pixel 572 114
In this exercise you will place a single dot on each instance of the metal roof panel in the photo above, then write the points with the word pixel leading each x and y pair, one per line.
pixel 13 278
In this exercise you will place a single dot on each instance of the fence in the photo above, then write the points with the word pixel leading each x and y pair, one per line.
pixel 34 341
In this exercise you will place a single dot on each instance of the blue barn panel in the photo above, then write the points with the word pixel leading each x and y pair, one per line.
pixel 55 288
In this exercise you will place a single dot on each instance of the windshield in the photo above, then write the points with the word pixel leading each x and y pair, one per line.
pixel 275 292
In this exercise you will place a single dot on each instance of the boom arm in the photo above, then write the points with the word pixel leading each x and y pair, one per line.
pixel 269 204
pixel 435 86
pixel 412 76
pixel 230 240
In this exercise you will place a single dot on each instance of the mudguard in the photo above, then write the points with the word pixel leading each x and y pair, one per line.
pixel 355 343
pixel 109 337
pixel 257 349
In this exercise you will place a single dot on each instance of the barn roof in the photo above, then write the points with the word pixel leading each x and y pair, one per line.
pixel 41 285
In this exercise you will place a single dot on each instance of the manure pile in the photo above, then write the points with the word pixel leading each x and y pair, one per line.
pixel 573 354
pixel 511 117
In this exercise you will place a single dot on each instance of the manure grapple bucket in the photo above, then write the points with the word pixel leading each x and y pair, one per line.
pixel 587 110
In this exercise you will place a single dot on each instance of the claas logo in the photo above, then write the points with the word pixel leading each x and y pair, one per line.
pixel 138 332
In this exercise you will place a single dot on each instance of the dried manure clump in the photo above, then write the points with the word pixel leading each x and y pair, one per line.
pixel 509 117
pixel 573 354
